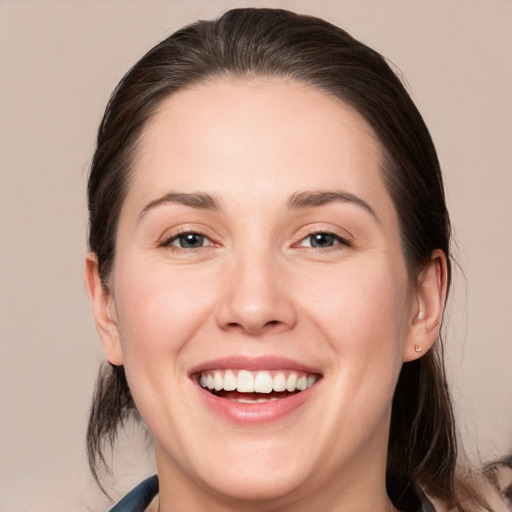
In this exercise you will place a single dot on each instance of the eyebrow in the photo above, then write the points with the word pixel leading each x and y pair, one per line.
pixel 299 200
pixel 194 200
pixel 311 199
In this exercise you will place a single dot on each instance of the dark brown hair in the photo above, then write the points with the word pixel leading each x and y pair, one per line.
pixel 281 44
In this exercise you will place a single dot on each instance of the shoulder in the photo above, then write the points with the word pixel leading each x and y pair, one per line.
pixel 139 498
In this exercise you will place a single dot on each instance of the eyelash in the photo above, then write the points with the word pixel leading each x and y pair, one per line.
pixel 337 240
pixel 168 242
pixel 341 240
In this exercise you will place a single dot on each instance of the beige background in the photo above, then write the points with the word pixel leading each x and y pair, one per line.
pixel 58 63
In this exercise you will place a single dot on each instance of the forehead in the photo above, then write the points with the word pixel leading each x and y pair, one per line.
pixel 255 138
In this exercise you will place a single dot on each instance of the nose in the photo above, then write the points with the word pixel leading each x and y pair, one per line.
pixel 256 298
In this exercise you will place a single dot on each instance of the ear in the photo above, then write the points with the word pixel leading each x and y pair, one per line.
pixel 103 310
pixel 428 306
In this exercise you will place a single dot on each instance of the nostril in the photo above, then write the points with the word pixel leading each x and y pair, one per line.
pixel 254 328
pixel 267 324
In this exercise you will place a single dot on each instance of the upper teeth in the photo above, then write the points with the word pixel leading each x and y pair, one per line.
pixel 244 381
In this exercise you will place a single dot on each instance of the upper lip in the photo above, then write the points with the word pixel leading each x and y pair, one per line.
pixel 238 362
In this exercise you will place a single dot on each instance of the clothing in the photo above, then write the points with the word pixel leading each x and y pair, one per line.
pixel 138 499
pixel 412 500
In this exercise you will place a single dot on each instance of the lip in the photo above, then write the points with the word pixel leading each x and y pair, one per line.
pixel 254 364
pixel 257 413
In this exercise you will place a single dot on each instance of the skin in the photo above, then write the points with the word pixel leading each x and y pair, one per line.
pixel 257 287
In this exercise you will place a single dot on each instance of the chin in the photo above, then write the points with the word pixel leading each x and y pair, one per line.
pixel 257 484
pixel 248 469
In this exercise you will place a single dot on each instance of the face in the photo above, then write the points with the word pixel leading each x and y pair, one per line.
pixel 259 300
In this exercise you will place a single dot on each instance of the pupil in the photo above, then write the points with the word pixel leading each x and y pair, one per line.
pixel 322 240
pixel 191 240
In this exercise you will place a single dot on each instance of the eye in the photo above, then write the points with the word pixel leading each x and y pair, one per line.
pixel 189 240
pixel 323 240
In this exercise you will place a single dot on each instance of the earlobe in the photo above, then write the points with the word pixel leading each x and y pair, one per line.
pixel 428 307
pixel 103 310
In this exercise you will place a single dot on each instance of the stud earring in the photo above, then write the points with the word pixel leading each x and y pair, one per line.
pixel 417 348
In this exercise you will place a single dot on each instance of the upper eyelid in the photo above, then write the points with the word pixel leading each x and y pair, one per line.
pixel 344 241
pixel 338 233
pixel 167 239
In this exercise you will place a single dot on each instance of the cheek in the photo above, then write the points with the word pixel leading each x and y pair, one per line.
pixel 363 316
pixel 159 310
pixel 362 311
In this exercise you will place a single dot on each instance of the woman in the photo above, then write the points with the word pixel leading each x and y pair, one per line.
pixel 270 258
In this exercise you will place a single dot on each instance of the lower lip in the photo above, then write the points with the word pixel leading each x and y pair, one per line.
pixel 255 413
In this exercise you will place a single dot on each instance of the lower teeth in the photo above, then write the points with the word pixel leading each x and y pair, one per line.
pixel 253 401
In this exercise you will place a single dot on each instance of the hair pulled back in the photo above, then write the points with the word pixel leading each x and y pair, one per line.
pixel 280 44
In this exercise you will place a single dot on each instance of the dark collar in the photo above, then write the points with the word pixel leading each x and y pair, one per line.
pixel 139 498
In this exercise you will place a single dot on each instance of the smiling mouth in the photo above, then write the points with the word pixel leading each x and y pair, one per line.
pixel 251 387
